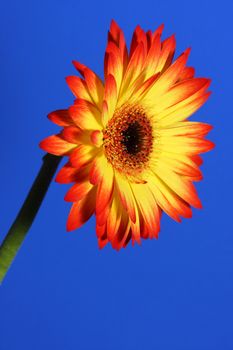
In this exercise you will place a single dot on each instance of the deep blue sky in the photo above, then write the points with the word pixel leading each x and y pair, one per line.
pixel 62 292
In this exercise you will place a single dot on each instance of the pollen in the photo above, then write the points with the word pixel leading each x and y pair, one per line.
pixel 128 140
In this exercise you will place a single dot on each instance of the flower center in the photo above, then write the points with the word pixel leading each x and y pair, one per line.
pixel 128 140
pixel 132 138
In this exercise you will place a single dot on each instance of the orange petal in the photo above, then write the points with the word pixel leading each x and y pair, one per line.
pixel 182 110
pixel 82 155
pixel 78 191
pixel 158 31
pixel 168 200
pixel 148 207
pixel 186 90
pixel 182 187
pixel 114 63
pixel 167 53
pixel 101 231
pixel 69 174
pixel 170 209
pixel 95 87
pixel 126 196
pixel 105 189
pixel 149 36
pixel 114 218
pixel 61 117
pixel 72 134
pixel 93 83
pixel 139 37
pixel 102 242
pixel 105 113
pixel 121 235
pixel 56 145
pixel 138 90
pixel 81 211
pixel 110 95
pixel 97 138
pixel 181 164
pixel 153 56
pixel 192 129
pixel 79 88
pixel 134 67
pixel 136 226
pixel 79 66
pixel 66 174
pixel 102 217
pixel 85 115
pixel 117 36
pixel 98 167
pixel 187 73
pixel 197 159
pixel 167 79
pixel 185 145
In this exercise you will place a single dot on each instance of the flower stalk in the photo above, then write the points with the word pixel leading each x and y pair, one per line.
pixel 27 214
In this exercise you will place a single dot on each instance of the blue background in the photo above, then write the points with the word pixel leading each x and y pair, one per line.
pixel 62 292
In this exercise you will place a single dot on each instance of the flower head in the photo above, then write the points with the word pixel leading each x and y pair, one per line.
pixel 132 153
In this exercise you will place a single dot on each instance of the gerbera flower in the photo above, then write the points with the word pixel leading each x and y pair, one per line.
pixel 132 154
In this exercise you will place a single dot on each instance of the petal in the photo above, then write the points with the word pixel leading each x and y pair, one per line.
pixel 187 129
pixel 121 235
pixel 56 145
pixel 93 83
pixel 85 115
pixel 153 56
pixel 78 191
pixel 98 167
pixel 79 66
pixel 79 88
pixel 187 73
pixel 110 95
pixel 167 79
pixel 167 53
pixel 117 36
pixel 82 155
pixel 184 91
pixel 148 207
pixel 97 138
pixel 105 113
pixel 81 211
pixel 95 87
pixel 134 67
pixel 101 231
pixel 72 134
pixel 126 196
pixel 61 117
pixel 69 174
pixel 102 242
pixel 139 37
pixel 168 200
pixel 114 218
pixel 102 217
pixel 138 90
pixel 158 31
pixel 182 187
pixel 182 110
pixel 149 36
pixel 197 159
pixel 105 189
pixel 181 164
pixel 114 64
pixel 184 145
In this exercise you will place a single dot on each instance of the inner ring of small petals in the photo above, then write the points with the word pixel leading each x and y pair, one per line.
pixel 128 140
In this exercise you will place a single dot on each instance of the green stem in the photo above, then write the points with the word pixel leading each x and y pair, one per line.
pixel 27 213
